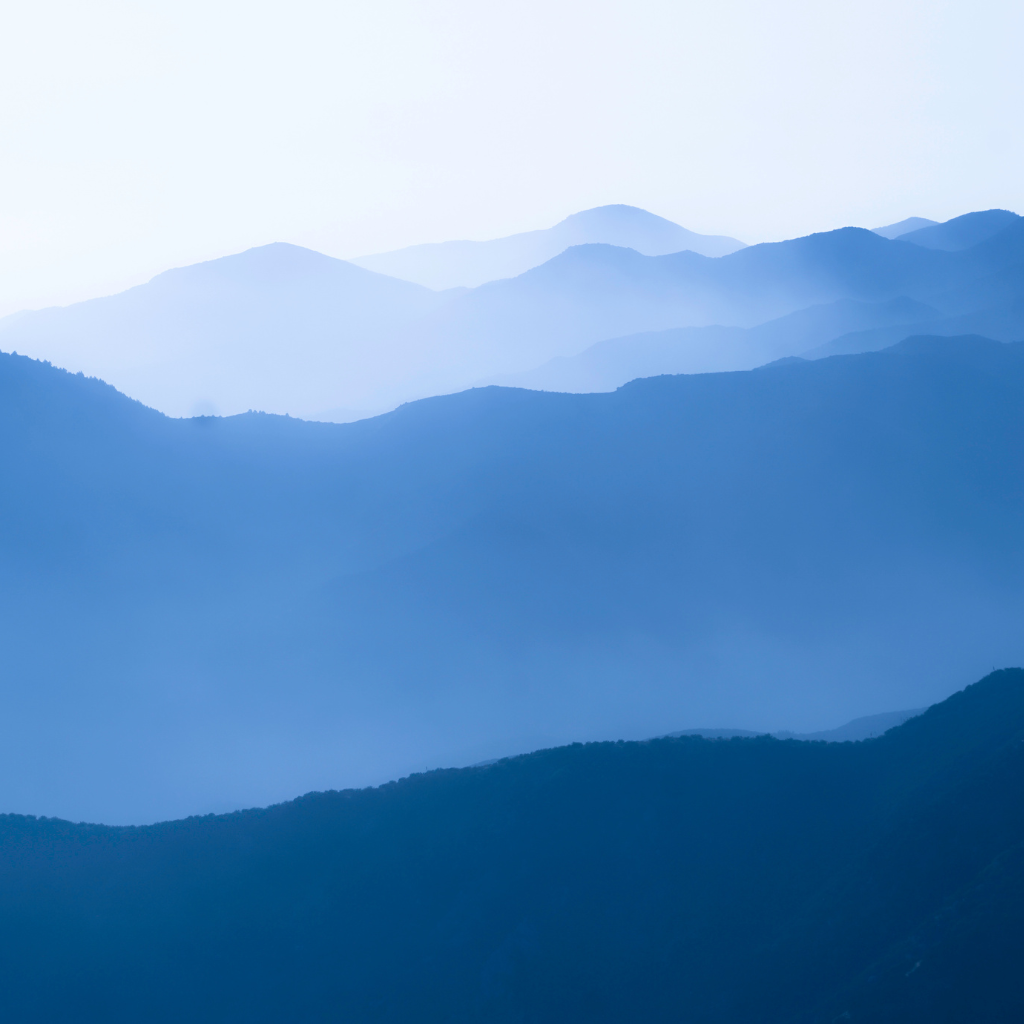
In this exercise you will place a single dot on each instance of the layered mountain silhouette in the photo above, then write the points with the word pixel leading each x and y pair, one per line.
pixel 903 226
pixel 469 264
pixel 980 303
pixel 286 330
pixel 609 364
pixel 961 232
pixel 750 879
pixel 279 327
pixel 211 613
pixel 591 293
pixel 952 235
pixel 1004 322
pixel 866 728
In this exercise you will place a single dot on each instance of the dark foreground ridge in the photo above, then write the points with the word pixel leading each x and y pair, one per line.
pixel 676 879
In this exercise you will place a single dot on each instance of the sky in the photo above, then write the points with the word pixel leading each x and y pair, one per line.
pixel 137 136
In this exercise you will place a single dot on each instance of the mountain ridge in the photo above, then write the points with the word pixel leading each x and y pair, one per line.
pixel 470 264
pixel 962 296
pixel 609 364
pixel 257 606
pixel 961 232
pixel 800 882
pixel 368 343
pixel 903 227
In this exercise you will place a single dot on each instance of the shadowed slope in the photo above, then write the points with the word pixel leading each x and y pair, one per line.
pixel 751 879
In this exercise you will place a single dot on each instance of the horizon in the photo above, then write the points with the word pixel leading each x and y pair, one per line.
pixel 141 139
pixel 137 280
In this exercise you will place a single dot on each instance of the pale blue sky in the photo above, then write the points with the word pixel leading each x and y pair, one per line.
pixel 138 136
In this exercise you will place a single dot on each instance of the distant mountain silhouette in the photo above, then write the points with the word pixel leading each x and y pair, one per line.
pixel 856 278
pixel 279 327
pixel 961 232
pixel 203 614
pixel 591 293
pixel 903 226
pixel 285 330
pixel 1002 324
pixel 469 264
pixel 744 880
pixel 609 364
pixel 865 728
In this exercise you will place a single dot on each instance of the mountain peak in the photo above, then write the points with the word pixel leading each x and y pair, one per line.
pixel 616 214
pixel 446 265
pixel 903 226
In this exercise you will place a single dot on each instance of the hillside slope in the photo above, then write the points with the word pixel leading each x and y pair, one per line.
pixel 710 881
pixel 961 232
pixel 277 328
pixel 903 227
pixel 206 614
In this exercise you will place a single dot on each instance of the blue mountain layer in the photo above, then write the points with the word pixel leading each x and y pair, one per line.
pixel 609 364
pixel 210 613
pixel 338 341
pixel 747 879
pixel 469 264
pixel 903 227
pixel 961 232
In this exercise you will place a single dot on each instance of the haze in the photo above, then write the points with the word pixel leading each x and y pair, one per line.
pixel 134 138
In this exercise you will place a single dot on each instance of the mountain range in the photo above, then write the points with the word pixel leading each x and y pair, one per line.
pixel 965 300
pixel 711 881
pixel 285 330
pixel 724 500
pixel 210 613
pixel 609 364
pixel 469 264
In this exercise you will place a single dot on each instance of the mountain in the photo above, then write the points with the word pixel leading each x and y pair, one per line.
pixel 591 293
pixel 961 232
pixel 212 613
pixel 286 330
pixel 979 290
pixel 903 226
pixel 1004 323
pixel 866 728
pixel 750 879
pixel 609 364
pixel 444 265
pixel 275 328
pixel 952 235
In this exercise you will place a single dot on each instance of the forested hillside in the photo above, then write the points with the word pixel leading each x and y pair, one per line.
pixel 672 880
